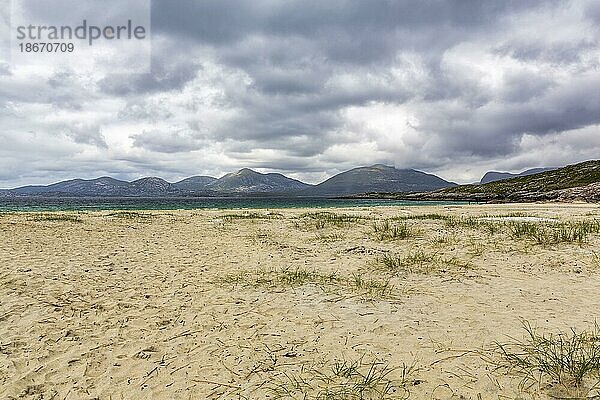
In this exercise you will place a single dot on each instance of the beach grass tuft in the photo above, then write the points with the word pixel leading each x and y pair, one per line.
pixel 131 215
pixel 420 262
pixel 358 379
pixel 391 231
pixel 332 237
pixel 252 216
pixel 57 218
pixel 421 217
pixel 554 232
pixel 323 219
pixel 566 358
pixel 371 288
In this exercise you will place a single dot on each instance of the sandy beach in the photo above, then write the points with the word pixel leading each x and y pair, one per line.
pixel 287 303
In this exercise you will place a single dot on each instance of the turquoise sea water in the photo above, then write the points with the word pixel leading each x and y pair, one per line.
pixel 129 203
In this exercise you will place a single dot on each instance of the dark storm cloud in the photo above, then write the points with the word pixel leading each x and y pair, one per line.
pixel 86 134
pixel 495 130
pixel 310 60
pixel 592 11
pixel 522 86
pixel 293 50
pixel 168 142
pixel 64 90
pixel 567 52
pixel 165 76
pixel 222 22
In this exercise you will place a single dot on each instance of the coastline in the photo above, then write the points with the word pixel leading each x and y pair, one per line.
pixel 43 204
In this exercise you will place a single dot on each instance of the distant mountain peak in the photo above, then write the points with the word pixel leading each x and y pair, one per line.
pixel 247 171
pixel 249 181
pixel 194 183
pixel 493 176
pixel 103 180
pixel 150 179
pixel 378 178
pixel 381 166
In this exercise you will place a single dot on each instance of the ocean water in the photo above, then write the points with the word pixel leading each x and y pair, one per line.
pixel 128 203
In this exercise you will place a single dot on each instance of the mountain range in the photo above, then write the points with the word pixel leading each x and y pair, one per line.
pixel 493 176
pixel 375 178
pixel 579 181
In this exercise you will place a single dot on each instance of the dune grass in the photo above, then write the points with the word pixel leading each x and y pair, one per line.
pixel 386 230
pixel 251 216
pixel 420 262
pixel 357 379
pixel 570 359
pixel 56 217
pixel 368 288
pixel 332 237
pixel 554 232
pixel 423 217
pixel 538 232
pixel 131 215
pixel 492 227
pixel 324 219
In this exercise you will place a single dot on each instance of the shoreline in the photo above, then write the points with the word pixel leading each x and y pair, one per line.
pixel 74 204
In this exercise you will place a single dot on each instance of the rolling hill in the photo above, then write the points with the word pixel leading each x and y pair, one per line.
pixel 249 181
pixel 194 183
pixel 377 178
pixel 577 175
pixel 77 187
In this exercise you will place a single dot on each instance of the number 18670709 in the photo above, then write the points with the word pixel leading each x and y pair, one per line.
pixel 47 47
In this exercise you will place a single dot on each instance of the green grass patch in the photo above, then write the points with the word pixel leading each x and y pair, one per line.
pixel 420 262
pixel 540 232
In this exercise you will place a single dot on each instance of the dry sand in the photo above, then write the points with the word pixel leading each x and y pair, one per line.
pixel 194 305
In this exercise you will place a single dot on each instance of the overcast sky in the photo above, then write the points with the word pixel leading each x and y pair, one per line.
pixel 310 88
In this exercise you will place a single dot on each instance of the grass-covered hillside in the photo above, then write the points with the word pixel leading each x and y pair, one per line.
pixel 579 182
pixel 571 176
